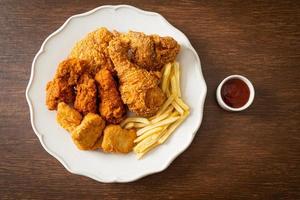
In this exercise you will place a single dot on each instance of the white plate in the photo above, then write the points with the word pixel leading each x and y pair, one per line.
pixel 98 165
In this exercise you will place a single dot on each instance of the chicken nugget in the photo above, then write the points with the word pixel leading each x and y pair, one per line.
pixel 67 117
pixel 86 135
pixel 118 140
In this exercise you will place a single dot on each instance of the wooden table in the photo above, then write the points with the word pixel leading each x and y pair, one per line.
pixel 249 155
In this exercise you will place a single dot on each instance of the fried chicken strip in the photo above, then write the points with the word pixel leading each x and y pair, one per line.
pixel 67 117
pixel 118 140
pixel 138 87
pixel 86 98
pixel 86 136
pixel 93 49
pixel 111 106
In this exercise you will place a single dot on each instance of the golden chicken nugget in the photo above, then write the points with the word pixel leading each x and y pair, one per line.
pixel 118 140
pixel 67 117
pixel 86 135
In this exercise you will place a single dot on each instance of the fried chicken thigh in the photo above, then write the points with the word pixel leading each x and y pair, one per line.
pixel 118 140
pixel 111 106
pixel 93 49
pixel 87 135
pixel 138 87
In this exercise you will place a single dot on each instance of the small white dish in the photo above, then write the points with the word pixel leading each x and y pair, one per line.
pixel 97 165
pixel 224 105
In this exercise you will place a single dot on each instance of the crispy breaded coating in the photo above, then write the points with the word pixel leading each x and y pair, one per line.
pixel 86 98
pixel 71 69
pixel 111 106
pixel 150 52
pixel 67 117
pixel 87 134
pixel 98 143
pixel 57 91
pixel 93 49
pixel 60 89
pixel 118 140
pixel 138 87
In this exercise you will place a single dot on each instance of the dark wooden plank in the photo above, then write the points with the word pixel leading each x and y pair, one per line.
pixel 248 155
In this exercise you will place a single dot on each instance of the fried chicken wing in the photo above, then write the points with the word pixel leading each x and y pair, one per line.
pixel 138 87
pixel 86 98
pixel 93 49
pixel 151 52
pixel 67 117
pixel 88 133
pixel 57 91
pixel 118 140
pixel 71 69
pixel 111 106
pixel 60 89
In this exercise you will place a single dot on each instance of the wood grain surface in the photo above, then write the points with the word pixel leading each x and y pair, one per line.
pixel 248 155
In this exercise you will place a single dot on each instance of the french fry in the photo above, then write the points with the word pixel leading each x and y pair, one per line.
pixel 163 115
pixel 129 125
pixel 135 119
pixel 165 105
pixel 169 120
pixel 139 125
pixel 177 107
pixel 140 147
pixel 140 155
pixel 168 93
pixel 177 76
pixel 148 133
pixel 182 104
pixel 165 78
pixel 172 128
pixel 174 86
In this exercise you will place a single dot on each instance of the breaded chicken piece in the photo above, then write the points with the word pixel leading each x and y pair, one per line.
pixel 67 117
pixel 60 89
pixel 57 91
pixel 98 143
pixel 86 135
pixel 71 69
pixel 138 87
pixel 118 140
pixel 86 98
pixel 93 49
pixel 151 52
pixel 111 106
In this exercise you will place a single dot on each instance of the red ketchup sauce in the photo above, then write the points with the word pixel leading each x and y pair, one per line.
pixel 235 93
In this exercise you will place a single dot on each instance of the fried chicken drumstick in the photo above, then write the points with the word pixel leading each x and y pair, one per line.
pixel 138 87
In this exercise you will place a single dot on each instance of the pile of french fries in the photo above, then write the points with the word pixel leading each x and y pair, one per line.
pixel 155 130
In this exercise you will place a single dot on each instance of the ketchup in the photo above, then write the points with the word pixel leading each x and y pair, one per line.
pixel 235 93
